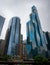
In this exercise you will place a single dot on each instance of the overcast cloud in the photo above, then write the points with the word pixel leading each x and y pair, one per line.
pixel 22 9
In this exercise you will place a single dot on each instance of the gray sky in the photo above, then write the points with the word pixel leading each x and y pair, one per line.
pixel 22 9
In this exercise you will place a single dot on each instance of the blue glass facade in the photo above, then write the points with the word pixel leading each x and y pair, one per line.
pixel 28 48
pixel 34 31
pixel 14 36
pixel 2 19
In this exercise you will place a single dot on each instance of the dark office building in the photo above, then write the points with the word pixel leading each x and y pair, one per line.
pixel 1 47
pixel 47 35
pixel 48 39
pixel 4 43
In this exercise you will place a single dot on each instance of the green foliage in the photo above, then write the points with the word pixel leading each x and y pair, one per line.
pixel 40 59
pixel 5 57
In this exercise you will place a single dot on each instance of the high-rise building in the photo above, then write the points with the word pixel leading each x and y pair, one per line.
pixel 2 46
pixel 35 34
pixel 2 19
pixel 0 43
pixel 14 36
pixel 47 34
pixel 21 47
pixel 4 43
pixel 28 50
pixel 48 39
pixel 24 50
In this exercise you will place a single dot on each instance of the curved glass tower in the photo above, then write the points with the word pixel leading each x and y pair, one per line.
pixel 34 31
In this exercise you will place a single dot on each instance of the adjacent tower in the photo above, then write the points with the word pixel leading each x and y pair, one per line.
pixel 35 34
pixel 14 36
pixel 2 20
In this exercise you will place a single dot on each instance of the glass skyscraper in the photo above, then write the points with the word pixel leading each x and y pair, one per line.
pixel 14 36
pixel 2 20
pixel 34 31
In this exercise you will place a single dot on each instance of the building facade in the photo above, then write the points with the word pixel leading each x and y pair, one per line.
pixel 47 34
pixel 14 36
pixel 34 32
pixel 48 39
pixel 2 19
pixel 2 46
pixel 6 41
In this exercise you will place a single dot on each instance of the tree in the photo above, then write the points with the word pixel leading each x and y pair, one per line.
pixel 40 59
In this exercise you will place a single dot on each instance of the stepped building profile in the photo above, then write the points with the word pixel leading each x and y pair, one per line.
pixel 35 34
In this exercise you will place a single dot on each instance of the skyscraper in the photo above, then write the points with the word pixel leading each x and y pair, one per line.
pixel 2 47
pixel 2 19
pixel 48 39
pixel 6 41
pixel 34 31
pixel 47 35
pixel 14 36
